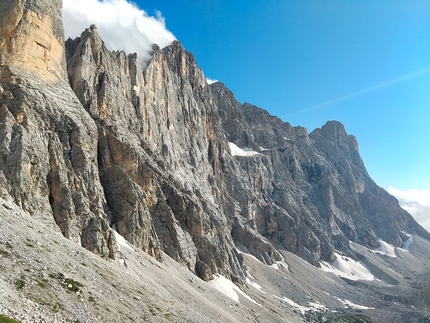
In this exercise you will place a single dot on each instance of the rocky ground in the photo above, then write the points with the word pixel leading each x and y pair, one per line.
pixel 45 277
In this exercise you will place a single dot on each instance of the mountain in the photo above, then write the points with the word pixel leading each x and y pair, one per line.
pixel 97 147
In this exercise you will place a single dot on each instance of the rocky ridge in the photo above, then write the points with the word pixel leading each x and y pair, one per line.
pixel 92 143
pixel 146 153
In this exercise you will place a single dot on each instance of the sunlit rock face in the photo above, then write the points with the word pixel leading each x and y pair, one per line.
pixel 171 163
pixel 32 38
pixel 189 170
pixel 161 147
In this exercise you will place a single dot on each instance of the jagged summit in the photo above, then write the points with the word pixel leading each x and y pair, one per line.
pixel 174 165
pixel 163 148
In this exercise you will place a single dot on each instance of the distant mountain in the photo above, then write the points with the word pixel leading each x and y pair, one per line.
pixel 91 144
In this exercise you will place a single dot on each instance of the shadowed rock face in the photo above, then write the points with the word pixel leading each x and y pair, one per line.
pixel 312 191
pixel 48 155
pixel 109 145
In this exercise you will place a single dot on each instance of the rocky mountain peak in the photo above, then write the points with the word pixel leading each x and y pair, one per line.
pixel 332 136
pixel 106 150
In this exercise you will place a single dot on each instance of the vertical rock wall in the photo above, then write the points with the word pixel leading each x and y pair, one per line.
pixel 105 144
pixel 48 152
pixel 159 151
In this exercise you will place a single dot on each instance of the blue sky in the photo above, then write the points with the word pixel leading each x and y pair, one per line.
pixel 363 63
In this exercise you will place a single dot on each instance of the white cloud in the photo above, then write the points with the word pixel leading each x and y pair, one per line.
pixel 416 202
pixel 122 25
pixel 210 81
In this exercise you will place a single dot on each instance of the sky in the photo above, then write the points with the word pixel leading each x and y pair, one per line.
pixel 364 63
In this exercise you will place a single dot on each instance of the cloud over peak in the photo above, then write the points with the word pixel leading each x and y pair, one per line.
pixel 211 81
pixel 121 24
pixel 416 202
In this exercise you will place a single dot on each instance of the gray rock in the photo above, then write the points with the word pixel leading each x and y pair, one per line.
pixel 104 144
pixel 309 193
pixel 48 143
pixel 160 152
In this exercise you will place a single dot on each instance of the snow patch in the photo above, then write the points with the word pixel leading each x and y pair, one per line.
pixel 318 306
pixel 280 263
pixel 121 242
pixel 275 265
pixel 349 304
pixel 347 268
pixel 243 152
pixel 253 284
pixel 303 309
pixel 228 288
pixel 385 249
pixel 225 286
pixel 407 243
pixel 249 255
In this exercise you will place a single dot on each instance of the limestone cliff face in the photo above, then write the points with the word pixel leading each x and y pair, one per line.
pixel 311 192
pixel 104 144
pixel 159 151
pixel 48 143
pixel 32 38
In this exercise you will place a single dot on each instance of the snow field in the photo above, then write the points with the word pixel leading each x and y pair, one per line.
pixel 121 242
pixel 243 152
pixel 228 288
pixel 385 249
pixel 347 268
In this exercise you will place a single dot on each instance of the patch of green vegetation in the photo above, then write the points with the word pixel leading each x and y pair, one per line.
pixel 19 284
pixel 28 243
pixel 4 253
pixel 5 319
pixel 72 285
pixel 41 283
pixel 8 245
pixel 76 321
pixel 358 318
pixel 91 299
pixel 68 283
pixel 57 307
pixel 152 310
pixel 167 316
pixel 39 299
pixel 131 319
